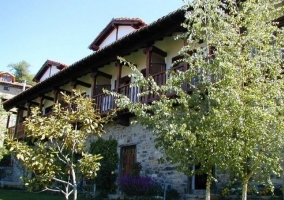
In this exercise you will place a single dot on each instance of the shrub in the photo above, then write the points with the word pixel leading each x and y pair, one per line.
pixel 105 180
pixel 136 169
pixel 172 194
pixel 138 185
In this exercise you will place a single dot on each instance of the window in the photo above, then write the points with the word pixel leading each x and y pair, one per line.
pixel 6 88
pixel 6 78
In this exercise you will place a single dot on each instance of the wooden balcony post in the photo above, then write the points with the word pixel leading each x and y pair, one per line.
pixel 148 61
pixel 29 109
pixel 40 103
pixel 74 85
pixel 20 112
pixel 94 76
pixel 56 92
pixel 8 121
pixel 118 75
pixel 148 65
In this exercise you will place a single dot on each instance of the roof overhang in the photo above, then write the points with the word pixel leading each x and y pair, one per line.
pixel 136 23
pixel 141 38
pixel 45 66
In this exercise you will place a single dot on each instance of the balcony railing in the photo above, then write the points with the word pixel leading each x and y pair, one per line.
pixel 106 102
pixel 17 131
pixel 160 79
pixel 130 92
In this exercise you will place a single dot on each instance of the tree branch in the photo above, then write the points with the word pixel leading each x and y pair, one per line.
pixel 61 181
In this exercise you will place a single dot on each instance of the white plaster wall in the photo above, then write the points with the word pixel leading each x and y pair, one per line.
pixel 110 39
pixel 102 80
pixel 49 72
pixel 168 44
pixel 121 31
pixel 66 87
pixel 87 79
pixel 47 103
pixel 124 30
pixel 171 46
pixel 137 58
pixel 110 69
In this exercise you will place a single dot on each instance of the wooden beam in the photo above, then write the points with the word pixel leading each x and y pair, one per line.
pixel 78 82
pixel 65 91
pixel 34 103
pixel 22 107
pixel 47 98
pixel 100 73
pixel 155 50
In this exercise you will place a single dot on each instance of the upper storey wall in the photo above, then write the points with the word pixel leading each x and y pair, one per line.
pixel 116 34
pixel 49 72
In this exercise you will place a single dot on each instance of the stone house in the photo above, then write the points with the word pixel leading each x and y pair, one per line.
pixel 153 49
pixel 8 89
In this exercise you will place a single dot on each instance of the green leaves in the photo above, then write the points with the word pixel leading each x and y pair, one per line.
pixel 89 165
pixel 232 115
pixel 56 144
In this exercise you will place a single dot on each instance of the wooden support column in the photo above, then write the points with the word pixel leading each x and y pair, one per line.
pixel 20 112
pixel 148 65
pixel 94 76
pixel 29 109
pixel 40 103
pixel 118 75
pixel 8 120
pixel 74 85
pixel 56 93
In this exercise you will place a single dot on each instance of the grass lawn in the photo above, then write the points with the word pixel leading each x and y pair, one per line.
pixel 23 195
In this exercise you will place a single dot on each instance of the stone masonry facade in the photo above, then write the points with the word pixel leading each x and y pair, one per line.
pixel 146 154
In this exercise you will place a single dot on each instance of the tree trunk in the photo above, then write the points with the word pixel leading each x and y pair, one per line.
pixel 74 183
pixel 75 192
pixel 244 190
pixel 208 185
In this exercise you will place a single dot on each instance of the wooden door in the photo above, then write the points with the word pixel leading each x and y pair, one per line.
pixel 128 158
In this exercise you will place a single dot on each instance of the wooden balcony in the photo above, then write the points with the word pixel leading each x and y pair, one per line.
pixel 160 79
pixel 17 131
pixel 104 102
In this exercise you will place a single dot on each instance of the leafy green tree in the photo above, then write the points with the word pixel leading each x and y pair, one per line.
pixel 232 114
pixel 22 72
pixel 106 177
pixel 55 152
pixel 3 120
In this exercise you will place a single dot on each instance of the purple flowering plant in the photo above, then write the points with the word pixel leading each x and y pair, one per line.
pixel 139 185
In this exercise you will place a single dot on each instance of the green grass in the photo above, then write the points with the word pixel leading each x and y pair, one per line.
pixel 23 195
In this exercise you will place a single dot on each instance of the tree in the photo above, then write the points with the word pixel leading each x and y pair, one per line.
pixel 3 119
pixel 21 72
pixel 55 150
pixel 232 114
pixel 106 178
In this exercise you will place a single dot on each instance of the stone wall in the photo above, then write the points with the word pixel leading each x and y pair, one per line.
pixel 18 170
pixel 147 154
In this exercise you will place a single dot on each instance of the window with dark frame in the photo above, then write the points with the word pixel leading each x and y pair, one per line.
pixel 6 88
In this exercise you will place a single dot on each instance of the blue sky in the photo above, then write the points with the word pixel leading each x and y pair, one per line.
pixel 61 30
